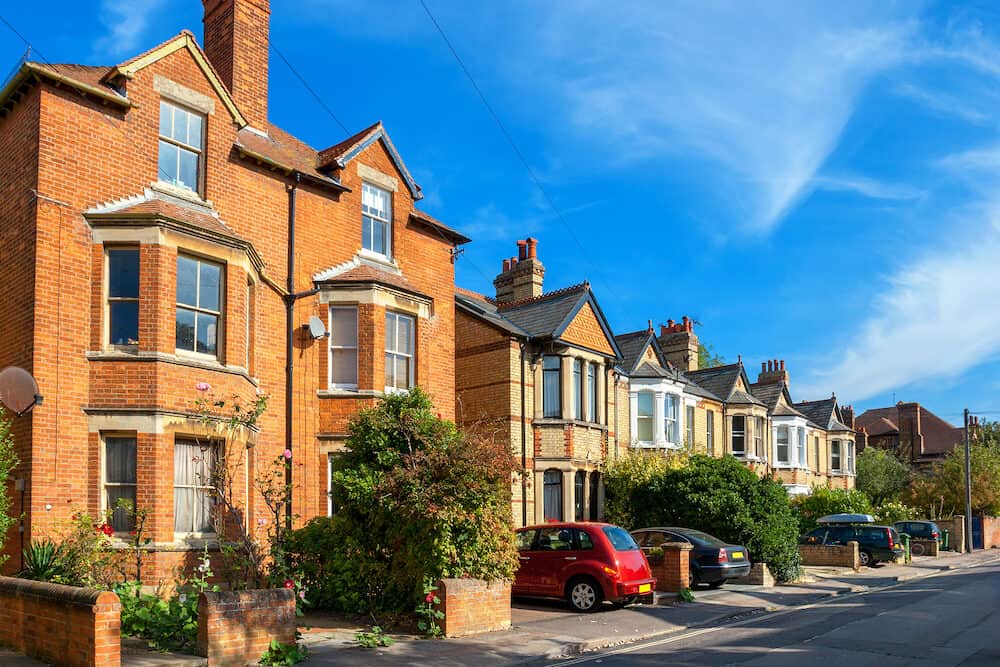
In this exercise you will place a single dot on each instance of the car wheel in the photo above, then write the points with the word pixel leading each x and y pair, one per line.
pixel 716 584
pixel 866 559
pixel 692 579
pixel 917 549
pixel 584 594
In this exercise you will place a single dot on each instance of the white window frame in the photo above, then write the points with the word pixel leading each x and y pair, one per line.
pixel 331 348
pixel 213 446
pixel 640 416
pixel 689 426
pixel 803 456
pixel 758 437
pixel 671 419
pixel 850 456
pixel 549 375
pixel 108 299
pixel 105 484
pixel 778 460
pixel 710 432
pixel 198 309
pixel 732 435
pixel 592 393
pixel 199 151
pixel 394 352
pixel 578 389
pixel 836 444
pixel 370 217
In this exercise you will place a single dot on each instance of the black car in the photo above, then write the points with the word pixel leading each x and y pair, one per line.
pixel 712 561
pixel 876 544
pixel 919 530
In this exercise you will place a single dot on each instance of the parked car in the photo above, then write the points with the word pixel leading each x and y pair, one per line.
pixel 876 544
pixel 712 561
pixel 584 563
pixel 921 530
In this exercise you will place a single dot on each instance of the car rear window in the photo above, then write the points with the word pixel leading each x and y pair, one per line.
pixel 703 539
pixel 619 538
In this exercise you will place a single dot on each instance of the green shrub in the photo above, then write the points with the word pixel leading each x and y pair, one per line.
pixel 284 654
pixel 823 501
pixel 881 476
pixel 415 500
pixel 725 498
pixel 893 511
pixel 43 561
pixel 629 471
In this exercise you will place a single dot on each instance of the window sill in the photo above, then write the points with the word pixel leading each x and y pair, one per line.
pixel 378 258
pixel 181 542
pixel 349 393
pixel 180 193
pixel 557 421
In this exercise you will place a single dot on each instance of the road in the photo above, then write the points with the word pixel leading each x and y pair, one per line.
pixel 949 619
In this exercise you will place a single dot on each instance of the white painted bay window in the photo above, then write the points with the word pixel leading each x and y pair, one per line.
pixel 671 420
pixel 781 446
pixel 578 389
pixel 645 417
pixel 739 435
pixel 835 455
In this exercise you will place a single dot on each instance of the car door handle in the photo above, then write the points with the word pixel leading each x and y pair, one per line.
pixel 569 557
pixel 524 557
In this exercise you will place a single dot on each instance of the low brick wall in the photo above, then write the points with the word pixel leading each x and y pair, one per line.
pixel 63 625
pixel 672 571
pixel 991 532
pixel 473 606
pixel 956 529
pixel 760 575
pixel 236 627
pixel 831 554
pixel 930 547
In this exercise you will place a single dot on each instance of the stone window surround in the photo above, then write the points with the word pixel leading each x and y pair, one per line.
pixel 660 389
pixel 749 413
pixel 847 455
pixel 568 470
pixel 567 357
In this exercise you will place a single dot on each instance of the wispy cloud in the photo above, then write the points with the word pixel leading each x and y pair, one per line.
pixel 944 104
pixel 867 187
pixel 934 318
pixel 491 223
pixel 126 22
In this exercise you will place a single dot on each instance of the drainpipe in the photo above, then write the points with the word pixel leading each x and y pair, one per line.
pixel 524 447
pixel 289 333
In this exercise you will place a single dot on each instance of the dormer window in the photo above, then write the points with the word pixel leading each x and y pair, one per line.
pixel 376 220
pixel 181 145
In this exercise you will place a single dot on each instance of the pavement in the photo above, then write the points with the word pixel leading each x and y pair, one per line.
pixel 544 631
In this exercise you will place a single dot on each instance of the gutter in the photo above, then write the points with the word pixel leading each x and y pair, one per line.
pixel 524 443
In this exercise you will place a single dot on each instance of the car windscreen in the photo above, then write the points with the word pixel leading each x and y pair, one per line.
pixel 703 539
pixel 619 538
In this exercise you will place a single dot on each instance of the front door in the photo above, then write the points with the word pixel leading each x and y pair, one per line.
pixel 977 532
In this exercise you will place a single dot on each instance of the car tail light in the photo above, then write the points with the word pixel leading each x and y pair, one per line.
pixel 889 533
pixel 723 556
pixel 934 534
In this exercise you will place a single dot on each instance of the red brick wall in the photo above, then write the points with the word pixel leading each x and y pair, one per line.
pixel 473 606
pixel 83 154
pixel 236 627
pixel 830 554
pixel 60 624
pixel 991 532
pixel 672 571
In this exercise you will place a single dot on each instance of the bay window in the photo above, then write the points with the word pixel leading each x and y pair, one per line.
pixel 689 426
pixel 551 387
pixel 120 480
pixel 645 411
pixel 739 435
pixel 782 446
pixel 344 347
pixel 552 495
pixel 758 437
pixel 592 392
pixel 710 432
pixel 578 389
pixel 803 456
pixel 399 346
pixel 123 296
pixel 671 419
pixel 194 468
pixel 835 455
pixel 199 305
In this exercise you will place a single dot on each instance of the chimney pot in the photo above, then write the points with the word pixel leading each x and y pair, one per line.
pixel 649 326
pixel 763 367
pixel 684 319
pixel 782 365
pixel 664 330
pixel 522 249
pixel 532 247
pixel 670 324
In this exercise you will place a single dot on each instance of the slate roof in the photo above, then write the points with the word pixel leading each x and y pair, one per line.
pixel 481 307
pixel 285 151
pixel 721 381
pixel 940 437
pixel 632 345
pixel 648 370
pixel 338 155
pixel 768 392
pixel 823 413
pixel 369 274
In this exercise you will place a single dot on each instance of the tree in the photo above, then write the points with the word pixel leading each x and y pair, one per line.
pixel 707 357
pixel 725 498
pixel 881 476
pixel 987 433
pixel 416 500
pixel 8 460
pixel 823 501
pixel 941 492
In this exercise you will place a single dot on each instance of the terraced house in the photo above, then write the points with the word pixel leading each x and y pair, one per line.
pixel 162 236
pixel 537 369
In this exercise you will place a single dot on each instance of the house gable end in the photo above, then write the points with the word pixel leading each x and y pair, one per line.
pixel 586 330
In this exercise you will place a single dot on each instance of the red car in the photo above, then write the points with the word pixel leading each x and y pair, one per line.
pixel 585 563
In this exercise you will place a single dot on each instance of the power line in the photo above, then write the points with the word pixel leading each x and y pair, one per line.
pixel 312 92
pixel 503 129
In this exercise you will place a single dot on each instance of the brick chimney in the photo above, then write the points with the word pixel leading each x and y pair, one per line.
pixel 847 415
pixel 680 343
pixel 236 43
pixel 522 276
pixel 773 370
pixel 911 439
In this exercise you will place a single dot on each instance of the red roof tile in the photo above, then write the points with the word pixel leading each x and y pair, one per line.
pixel 328 157
pixel 158 208
pixel 369 274
pixel 453 235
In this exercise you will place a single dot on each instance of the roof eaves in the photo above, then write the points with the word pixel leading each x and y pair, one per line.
pixel 30 69
pixel 588 297
pixel 322 181
pixel 378 132
pixel 456 237
pixel 470 307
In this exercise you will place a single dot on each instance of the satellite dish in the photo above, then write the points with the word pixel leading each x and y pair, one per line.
pixel 18 390
pixel 316 328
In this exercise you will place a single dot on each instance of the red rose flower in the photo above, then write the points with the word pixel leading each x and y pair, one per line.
pixel 289 583
pixel 429 599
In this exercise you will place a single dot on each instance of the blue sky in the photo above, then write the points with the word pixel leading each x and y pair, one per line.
pixel 813 182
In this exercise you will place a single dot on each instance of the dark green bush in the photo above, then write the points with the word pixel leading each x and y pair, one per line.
pixel 723 497
pixel 415 500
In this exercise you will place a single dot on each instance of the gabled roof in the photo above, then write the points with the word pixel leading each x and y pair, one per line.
pixel 184 40
pixel 722 381
pixel 648 370
pixel 84 79
pixel 452 235
pixel 633 347
pixel 770 393
pixel 280 150
pixel 824 413
pixel 338 155
pixel 540 318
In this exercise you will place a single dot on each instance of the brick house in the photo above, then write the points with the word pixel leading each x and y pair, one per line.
pixel 910 431
pixel 539 370
pixel 162 233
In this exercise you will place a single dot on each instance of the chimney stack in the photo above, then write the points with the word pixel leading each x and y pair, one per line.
pixel 680 344
pixel 236 43
pixel 847 412
pixel 522 277
pixel 773 370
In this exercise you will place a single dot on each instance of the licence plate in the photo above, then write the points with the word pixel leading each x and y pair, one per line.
pixel 737 555
pixel 645 588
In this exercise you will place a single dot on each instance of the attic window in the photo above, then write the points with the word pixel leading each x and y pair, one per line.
pixel 181 146
pixel 376 220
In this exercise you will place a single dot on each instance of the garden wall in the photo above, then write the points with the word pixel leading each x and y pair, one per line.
pixel 236 627
pixel 760 575
pixel 472 606
pixel 64 625
pixel 831 554
pixel 930 547
pixel 956 527
pixel 672 571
